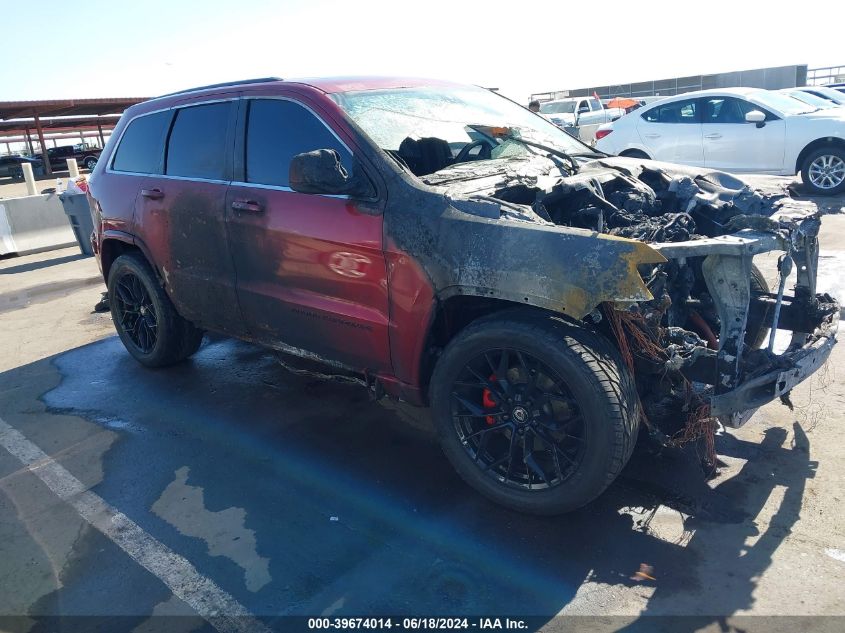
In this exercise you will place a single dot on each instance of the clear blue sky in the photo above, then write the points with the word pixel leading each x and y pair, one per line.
pixel 148 47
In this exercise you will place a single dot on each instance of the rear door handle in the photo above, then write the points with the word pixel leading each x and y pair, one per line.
pixel 249 206
pixel 713 136
pixel 652 135
pixel 152 194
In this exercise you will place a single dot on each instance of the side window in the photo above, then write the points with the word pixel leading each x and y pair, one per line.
pixel 723 110
pixel 141 148
pixel 595 104
pixel 197 144
pixel 278 130
pixel 652 116
pixel 676 112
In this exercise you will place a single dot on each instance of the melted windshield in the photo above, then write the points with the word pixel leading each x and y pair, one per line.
pixel 432 127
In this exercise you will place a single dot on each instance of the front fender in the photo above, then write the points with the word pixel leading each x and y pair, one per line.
pixel 557 268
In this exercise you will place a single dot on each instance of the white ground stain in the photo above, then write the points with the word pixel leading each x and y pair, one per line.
pixel 836 554
pixel 183 506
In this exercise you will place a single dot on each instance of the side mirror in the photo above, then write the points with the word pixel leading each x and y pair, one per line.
pixel 755 116
pixel 321 171
pixel 583 108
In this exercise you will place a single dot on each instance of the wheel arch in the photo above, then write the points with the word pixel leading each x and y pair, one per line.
pixel 635 152
pixel 834 141
pixel 455 312
pixel 114 244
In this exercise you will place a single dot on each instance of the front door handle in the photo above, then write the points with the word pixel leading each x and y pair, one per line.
pixel 249 206
pixel 713 136
pixel 152 194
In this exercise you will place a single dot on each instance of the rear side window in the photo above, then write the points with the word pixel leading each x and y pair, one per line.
pixel 197 145
pixel 277 131
pixel 141 149
pixel 677 112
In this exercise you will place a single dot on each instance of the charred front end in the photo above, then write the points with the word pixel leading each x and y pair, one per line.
pixel 698 340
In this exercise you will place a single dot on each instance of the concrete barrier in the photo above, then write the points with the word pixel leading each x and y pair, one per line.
pixel 28 176
pixel 32 224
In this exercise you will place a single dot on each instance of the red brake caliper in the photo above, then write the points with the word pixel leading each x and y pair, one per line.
pixel 488 402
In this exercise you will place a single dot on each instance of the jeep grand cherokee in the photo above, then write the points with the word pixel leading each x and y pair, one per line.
pixel 445 246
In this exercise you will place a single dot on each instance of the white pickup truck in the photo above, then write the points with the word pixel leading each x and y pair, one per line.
pixel 580 116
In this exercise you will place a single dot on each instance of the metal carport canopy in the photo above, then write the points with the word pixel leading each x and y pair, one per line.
pixel 25 115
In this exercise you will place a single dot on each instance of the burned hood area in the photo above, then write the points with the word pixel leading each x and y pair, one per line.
pixel 696 339
pixel 643 200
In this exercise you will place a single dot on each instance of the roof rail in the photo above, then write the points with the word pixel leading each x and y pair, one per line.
pixel 225 84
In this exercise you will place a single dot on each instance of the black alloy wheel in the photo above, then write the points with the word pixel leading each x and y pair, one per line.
pixel 135 312
pixel 147 322
pixel 518 420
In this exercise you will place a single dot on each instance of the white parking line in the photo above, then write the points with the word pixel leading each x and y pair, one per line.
pixel 213 604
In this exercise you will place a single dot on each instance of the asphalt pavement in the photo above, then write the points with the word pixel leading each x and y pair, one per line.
pixel 225 492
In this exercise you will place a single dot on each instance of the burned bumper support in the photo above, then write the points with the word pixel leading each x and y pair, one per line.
pixel 737 381
pixel 736 406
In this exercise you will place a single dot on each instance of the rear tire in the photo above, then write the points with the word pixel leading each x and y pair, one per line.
pixel 560 381
pixel 145 319
pixel 823 171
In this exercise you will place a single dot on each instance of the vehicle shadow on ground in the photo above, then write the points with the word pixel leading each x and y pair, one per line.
pixel 357 511
pixel 30 266
pixel 826 204
pixel 742 553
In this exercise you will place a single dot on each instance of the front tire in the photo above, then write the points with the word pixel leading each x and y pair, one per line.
pixel 823 171
pixel 145 319
pixel 536 414
pixel 90 163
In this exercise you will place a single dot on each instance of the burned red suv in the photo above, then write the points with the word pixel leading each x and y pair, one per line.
pixel 447 247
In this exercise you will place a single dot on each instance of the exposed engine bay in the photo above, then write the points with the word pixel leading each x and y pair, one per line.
pixel 698 348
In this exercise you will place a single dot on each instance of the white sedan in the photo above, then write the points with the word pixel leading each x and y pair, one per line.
pixel 825 92
pixel 739 130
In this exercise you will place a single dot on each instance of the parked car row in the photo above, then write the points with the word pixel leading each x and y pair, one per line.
pixel 86 156
pixel 743 130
